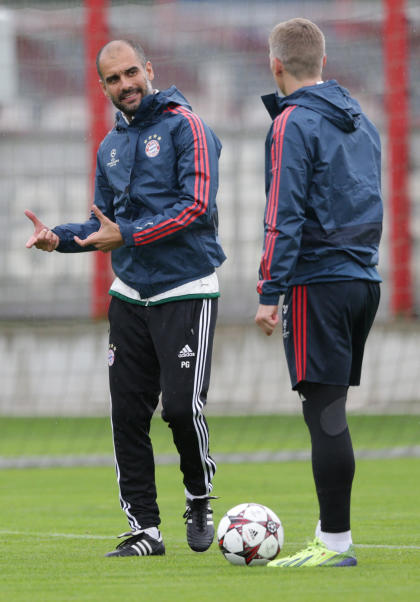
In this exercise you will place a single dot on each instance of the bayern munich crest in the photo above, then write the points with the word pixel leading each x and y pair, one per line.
pixel 152 146
pixel 111 354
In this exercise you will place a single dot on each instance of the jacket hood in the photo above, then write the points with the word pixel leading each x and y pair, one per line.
pixel 152 105
pixel 329 99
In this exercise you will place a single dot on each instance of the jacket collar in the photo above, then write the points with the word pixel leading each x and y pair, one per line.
pixel 272 104
pixel 151 107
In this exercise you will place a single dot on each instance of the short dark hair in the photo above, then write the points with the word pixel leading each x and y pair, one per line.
pixel 134 45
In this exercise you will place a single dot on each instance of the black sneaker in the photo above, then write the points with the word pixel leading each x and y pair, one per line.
pixel 139 544
pixel 199 521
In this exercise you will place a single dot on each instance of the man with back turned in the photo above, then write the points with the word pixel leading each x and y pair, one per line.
pixel 323 222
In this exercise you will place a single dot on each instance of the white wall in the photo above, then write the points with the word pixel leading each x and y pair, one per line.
pixel 61 369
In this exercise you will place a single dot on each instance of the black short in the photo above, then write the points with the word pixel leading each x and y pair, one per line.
pixel 325 327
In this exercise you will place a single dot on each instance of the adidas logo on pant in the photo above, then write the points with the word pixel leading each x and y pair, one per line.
pixel 186 352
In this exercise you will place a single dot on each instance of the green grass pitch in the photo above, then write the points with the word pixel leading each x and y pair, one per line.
pixel 57 523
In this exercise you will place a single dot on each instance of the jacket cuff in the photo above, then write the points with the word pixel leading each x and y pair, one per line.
pixel 127 234
pixel 66 244
pixel 270 299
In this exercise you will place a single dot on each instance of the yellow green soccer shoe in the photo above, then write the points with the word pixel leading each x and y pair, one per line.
pixel 316 554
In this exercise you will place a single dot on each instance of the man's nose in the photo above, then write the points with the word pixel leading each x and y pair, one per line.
pixel 125 82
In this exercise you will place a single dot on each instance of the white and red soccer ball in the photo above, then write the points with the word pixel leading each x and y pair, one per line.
pixel 250 534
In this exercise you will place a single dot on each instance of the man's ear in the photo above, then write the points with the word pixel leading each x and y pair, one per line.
pixel 101 83
pixel 277 66
pixel 149 71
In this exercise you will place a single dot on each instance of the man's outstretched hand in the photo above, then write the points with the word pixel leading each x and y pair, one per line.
pixel 107 238
pixel 43 238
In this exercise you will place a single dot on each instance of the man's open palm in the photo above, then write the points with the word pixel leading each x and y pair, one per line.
pixel 107 238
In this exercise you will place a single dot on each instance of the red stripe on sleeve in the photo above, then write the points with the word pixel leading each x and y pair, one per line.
pixel 201 186
pixel 273 197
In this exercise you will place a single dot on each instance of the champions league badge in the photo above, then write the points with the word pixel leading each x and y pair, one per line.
pixel 152 146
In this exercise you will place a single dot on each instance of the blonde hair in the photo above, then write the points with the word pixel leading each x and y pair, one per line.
pixel 300 45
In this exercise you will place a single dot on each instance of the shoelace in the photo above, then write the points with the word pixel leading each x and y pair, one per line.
pixel 316 544
pixel 201 514
pixel 132 537
pixel 201 507
pixel 312 547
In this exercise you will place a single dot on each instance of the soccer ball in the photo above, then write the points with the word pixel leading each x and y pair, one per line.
pixel 250 534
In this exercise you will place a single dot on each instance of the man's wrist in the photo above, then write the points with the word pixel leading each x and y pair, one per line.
pixel 269 299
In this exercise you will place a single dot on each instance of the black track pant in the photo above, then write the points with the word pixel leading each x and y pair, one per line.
pixel 163 348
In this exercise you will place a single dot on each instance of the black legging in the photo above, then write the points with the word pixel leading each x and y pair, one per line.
pixel 333 462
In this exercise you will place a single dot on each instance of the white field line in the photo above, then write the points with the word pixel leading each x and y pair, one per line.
pixel 109 537
pixel 63 535
pixel 412 451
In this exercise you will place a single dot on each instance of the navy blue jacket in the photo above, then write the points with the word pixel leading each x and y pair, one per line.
pixel 157 178
pixel 323 217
